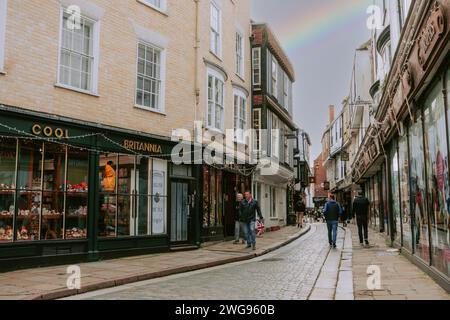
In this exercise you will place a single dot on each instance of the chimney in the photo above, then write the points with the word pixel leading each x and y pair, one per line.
pixel 331 113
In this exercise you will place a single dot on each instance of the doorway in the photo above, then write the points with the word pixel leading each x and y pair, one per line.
pixel 181 205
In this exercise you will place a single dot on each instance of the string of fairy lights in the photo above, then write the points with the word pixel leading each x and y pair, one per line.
pixel 245 170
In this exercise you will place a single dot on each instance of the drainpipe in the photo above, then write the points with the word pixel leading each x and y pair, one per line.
pixel 198 197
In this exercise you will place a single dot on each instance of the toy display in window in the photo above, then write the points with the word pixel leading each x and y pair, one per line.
pixel 109 177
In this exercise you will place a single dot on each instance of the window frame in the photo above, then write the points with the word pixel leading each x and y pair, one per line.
pixel 274 76
pixel 162 75
pixel 241 97
pixel 3 17
pixel 216 76
pixel 213 32
pixel 256 66
pixel 240 54
pixel 257 140
pixel 93 90
pixel 161 8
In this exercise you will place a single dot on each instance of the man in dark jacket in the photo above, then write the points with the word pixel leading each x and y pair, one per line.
pixel 361 210
pixel 332 212
pixel 249 209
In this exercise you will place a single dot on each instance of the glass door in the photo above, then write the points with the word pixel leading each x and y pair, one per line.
pixel 180 211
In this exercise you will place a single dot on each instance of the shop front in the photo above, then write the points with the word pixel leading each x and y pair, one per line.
pixel 73 191
pixel 220 189
pixel 415 132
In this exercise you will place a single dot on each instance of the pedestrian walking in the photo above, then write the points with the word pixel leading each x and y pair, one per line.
pixel 361 210
pixel 249 209
pixel 300 211
pixel 237 219
pixel 332 212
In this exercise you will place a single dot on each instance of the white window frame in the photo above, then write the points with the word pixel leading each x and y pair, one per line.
pixel 162 5
pixel 239 133
pixel 274 77
pixel 285 90
pixel 240 54
pixel 95 54
pixel 213 32
pixel 162 94
pixel 216 75
pixel 256 66
pixel 3 10
pixel 275 137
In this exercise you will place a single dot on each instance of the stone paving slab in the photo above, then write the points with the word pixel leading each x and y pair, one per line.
pixel 400 279
pixel 50 283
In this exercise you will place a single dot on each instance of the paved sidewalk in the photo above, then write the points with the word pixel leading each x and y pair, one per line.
pixel 400 279
pixel 50 282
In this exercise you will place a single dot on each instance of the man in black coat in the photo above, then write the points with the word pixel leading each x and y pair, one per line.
pixel 361 210
pixel 249 208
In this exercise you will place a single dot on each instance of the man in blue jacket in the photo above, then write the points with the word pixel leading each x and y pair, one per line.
pixel 332 212
pixel 250 209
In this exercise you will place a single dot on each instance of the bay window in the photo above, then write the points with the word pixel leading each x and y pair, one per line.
pixel 240 116
pixel 215 112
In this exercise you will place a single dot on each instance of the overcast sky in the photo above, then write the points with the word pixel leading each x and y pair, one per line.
pixel 320 37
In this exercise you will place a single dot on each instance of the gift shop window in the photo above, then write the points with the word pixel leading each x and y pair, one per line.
pixel 133 196
pixel 43 191
pixel 438 183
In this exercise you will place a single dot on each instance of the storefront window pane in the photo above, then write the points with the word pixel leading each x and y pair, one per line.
pixel 108 197
pixel 7 186
pixel 30 165
pixel 29 209
pixel 77 194
pixel 159 197
pixel 418 206
pixel 54 167
pixel 52 215
pixel 143 170
pixel 438 185
pixel 6 215
pixel 108 218
pixel 404 192
pixel 126 182
pixel 395 196
pixel 7 163
pixel 108 172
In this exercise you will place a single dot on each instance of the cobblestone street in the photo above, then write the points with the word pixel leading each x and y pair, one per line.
pixel 289 273
pixel 306 269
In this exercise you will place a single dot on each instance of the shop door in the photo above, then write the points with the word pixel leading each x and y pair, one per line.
pixel 180 212
pixel 230 202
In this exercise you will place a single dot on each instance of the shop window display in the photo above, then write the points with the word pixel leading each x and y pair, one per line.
pixel 395 196
pixel 7 188
pixel 128 186
pixel 438 184
pixel 418 207
pixel 404 193
pixel 76 194
pixel 29 200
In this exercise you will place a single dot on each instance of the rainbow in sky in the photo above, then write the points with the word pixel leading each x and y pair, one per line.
pixel 323 21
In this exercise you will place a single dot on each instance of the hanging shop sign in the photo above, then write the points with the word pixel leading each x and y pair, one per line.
pixel 345 156
pixel 49 131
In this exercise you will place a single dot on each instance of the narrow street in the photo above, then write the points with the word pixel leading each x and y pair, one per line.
pixel 306 269
pixel 287 274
